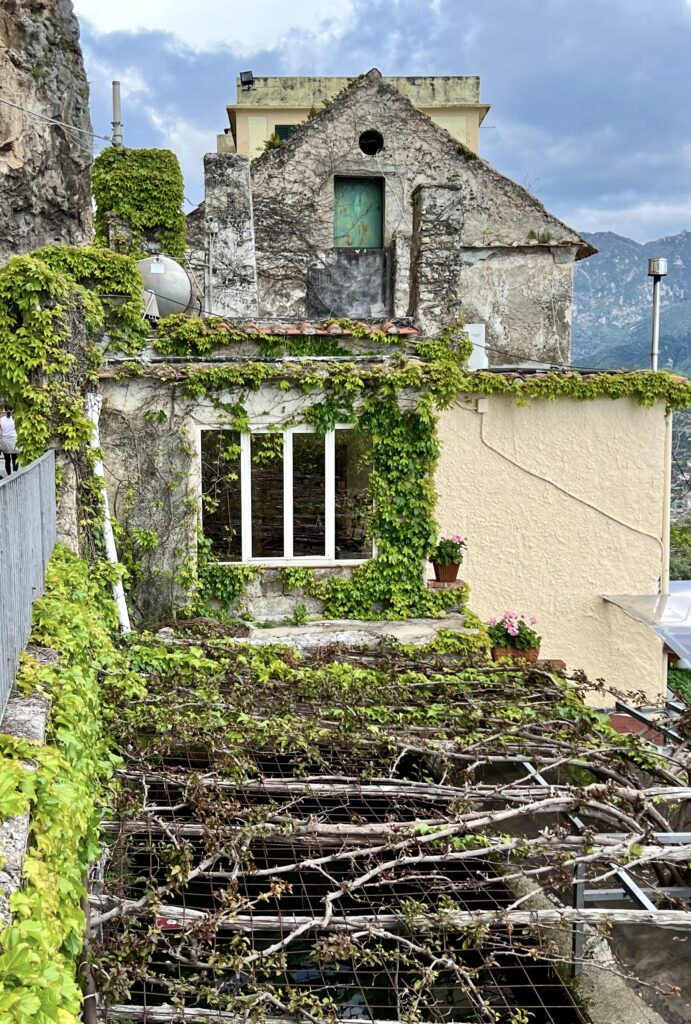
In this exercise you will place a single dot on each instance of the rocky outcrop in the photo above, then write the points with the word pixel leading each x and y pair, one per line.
pixel 45 169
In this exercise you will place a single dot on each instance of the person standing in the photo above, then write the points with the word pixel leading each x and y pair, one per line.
pixel 8 440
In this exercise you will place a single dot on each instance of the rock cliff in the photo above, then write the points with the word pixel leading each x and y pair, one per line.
pixel 45 169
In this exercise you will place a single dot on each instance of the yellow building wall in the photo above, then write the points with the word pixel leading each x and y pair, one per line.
pixel 561 503
pixel 255 125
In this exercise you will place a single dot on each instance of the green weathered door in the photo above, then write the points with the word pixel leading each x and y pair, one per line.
pixel 358 213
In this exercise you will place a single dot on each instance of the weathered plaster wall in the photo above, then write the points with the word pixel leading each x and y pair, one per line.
pixel 44 168
pixel 151 442
pixel 293 196
pixel 146 454
pixel 561 503
pixel 464 257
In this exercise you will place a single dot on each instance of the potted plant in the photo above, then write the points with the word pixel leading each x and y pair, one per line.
pixel 447 557
pixel 512 636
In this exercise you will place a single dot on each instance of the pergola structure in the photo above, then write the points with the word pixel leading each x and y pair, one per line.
pixel 381 835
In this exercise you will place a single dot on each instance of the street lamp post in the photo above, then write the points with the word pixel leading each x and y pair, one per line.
pixel 657 269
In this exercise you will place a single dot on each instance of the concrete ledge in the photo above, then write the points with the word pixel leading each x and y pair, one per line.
pixel 24 718
pixel 358 633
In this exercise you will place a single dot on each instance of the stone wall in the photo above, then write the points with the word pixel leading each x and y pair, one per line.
pixel 44 169
pixel 522 293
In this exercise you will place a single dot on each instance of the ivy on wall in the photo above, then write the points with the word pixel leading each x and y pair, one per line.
pixel 55 305
pixel 142 188
pixel 182 335
pixel 51 313
pixel 395 401
pixel 62 794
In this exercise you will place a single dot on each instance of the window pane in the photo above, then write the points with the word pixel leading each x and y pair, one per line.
pixel 353 501
pixel 309 495
pixel 267 495
pixel 221 518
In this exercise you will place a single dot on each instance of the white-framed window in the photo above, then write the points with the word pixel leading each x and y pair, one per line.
pixel 291 496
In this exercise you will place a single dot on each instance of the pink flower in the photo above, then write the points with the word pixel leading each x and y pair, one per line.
pixel 509 615
pixel 457 539
pixel 533 620
pixel 492 621
pixel 512 628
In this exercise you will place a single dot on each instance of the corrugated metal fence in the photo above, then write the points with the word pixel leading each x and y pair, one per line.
pixel 27 539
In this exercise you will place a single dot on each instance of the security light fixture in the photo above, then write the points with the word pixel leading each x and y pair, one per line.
pixel 657 267
pixel 246 79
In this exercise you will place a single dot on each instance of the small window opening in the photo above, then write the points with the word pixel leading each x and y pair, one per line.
pixel 371 142
pixel 284 131
pixel 358 213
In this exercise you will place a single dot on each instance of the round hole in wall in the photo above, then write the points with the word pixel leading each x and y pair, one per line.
pixel 371 142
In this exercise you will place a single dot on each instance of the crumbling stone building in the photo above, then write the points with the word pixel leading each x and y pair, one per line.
pixel 371 210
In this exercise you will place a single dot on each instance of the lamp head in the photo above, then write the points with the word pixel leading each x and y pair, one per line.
pixel 657 267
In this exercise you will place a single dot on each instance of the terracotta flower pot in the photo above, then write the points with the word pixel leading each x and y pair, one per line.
pixel 516 654
pixel 446 573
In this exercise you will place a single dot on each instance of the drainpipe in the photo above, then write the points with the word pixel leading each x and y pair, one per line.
pixel 93 411
pixel 211 232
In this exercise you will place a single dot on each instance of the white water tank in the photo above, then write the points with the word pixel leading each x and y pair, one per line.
pixel 168 282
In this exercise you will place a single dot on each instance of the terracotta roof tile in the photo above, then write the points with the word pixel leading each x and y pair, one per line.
pixel 304 327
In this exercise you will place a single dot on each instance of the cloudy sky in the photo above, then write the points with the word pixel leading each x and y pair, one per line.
pixel 591 99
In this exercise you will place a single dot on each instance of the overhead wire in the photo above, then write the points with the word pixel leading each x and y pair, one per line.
pixel 53 120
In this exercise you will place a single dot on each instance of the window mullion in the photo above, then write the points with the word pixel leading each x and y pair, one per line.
pixel 246 495
pixel 288 494
pixel 330 496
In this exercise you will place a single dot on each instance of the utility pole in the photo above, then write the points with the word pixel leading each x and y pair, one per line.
pixel 657 269
pixel 117 116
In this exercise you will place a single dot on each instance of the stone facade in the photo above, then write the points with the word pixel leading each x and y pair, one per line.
pixel 458 238
pixel 44 168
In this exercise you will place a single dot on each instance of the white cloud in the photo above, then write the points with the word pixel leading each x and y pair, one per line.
pixel 643 220
pixel 187 141
pixel 102 73
pixel 246 26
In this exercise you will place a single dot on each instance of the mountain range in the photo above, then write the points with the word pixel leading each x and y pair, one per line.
pixel 613 303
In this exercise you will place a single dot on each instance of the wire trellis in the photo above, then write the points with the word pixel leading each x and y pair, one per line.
pixel 355 836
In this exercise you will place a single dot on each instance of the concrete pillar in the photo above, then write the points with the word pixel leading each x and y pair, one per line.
pixel 231 279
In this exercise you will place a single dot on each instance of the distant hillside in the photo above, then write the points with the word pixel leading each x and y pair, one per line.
pixel 612 302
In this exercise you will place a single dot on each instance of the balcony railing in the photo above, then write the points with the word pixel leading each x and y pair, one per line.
pixel 27 539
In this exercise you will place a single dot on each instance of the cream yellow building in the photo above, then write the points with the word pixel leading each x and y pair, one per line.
pixel 276 105
pixel 563 505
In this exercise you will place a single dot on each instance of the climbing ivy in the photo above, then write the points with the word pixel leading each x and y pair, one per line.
pixel 62 793
pixel 55 305
pixel 52 308
pixel 375 398
pixel 142 188
pixel 183 335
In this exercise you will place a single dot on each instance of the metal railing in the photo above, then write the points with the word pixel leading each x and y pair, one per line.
pixel 27 539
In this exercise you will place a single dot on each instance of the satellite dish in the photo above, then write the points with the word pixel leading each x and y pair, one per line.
pixel 167 283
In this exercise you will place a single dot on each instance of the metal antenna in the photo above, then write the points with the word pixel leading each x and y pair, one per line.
pixel 117 116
